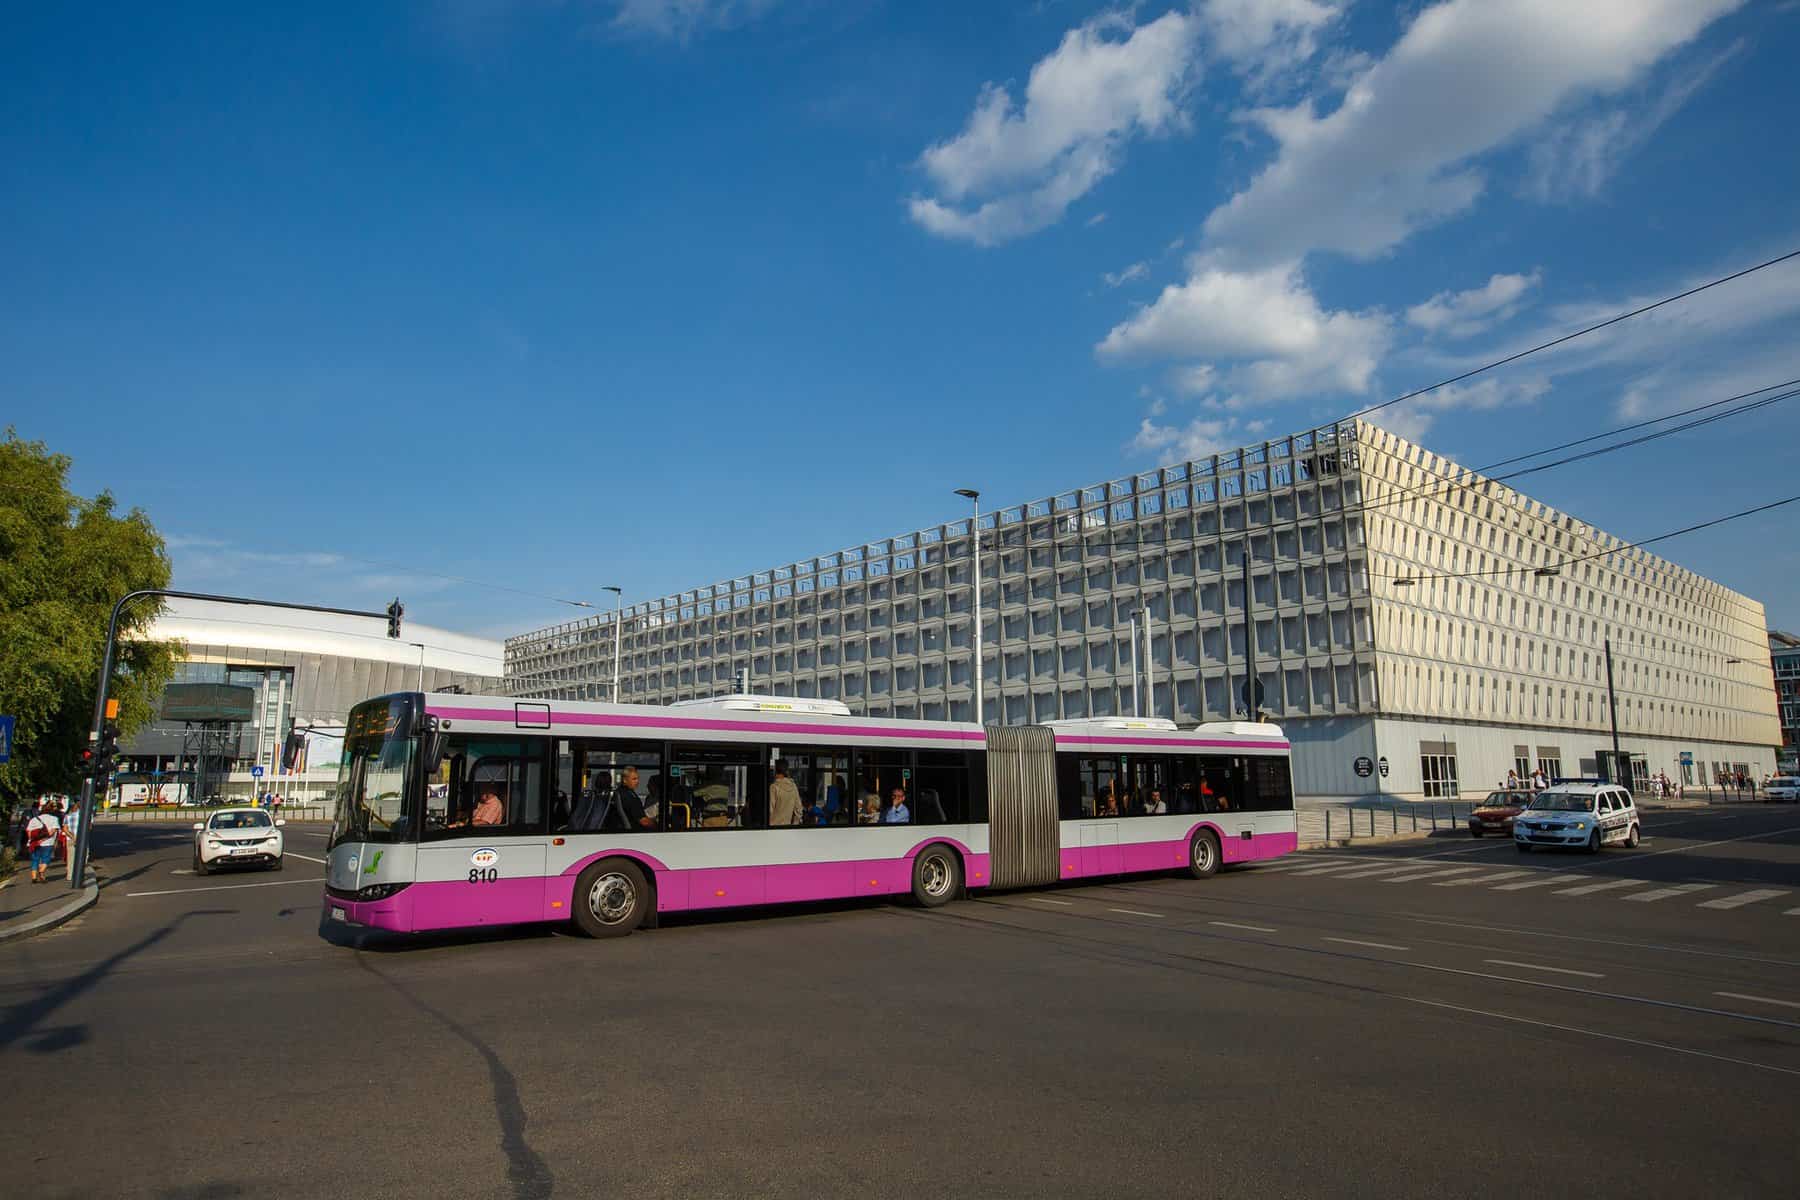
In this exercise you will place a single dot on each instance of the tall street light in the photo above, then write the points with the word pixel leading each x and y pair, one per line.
pixel 618 633
pixel 974 497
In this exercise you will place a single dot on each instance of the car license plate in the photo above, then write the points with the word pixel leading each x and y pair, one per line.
pixel 338 914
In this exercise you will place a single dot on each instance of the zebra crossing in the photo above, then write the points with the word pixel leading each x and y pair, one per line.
pixel 1717 897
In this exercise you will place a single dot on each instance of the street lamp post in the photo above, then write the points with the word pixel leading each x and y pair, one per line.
pixel 618 634
pixel 420 647
pixel 974 497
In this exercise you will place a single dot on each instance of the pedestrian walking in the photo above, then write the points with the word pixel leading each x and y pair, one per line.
pixel 40 838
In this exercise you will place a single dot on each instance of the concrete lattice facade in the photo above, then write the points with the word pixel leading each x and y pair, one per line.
pixel 1350 659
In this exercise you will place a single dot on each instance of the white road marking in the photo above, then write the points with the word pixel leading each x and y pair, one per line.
pixel 307 857
pixel 1607 886
pixel 1235 925
pixel 1743 898
pixel 1595 1033
pixel 1132 912
pixel 1324 869
pixel 1748 837
pixel 229 887
pixel 1679 889
pixel 1757 999
pixel 1491 878
pixel 1048 900
pixel 1435 873
pixel 1507 962
pixel 1531 883
pixel 1791 912
pixel 1371 945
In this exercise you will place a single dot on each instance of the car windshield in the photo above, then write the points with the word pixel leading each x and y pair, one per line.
pixel 1562 802
pixel 1505 800
pixel 240 820
pixel 374 773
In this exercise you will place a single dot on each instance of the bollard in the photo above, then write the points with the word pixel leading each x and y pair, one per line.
pixel 1328 824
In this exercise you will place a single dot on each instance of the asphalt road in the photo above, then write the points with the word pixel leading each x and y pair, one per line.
pixel 1440 1017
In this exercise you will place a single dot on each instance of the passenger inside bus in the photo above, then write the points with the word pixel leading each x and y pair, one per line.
pixel 628 808
pixel 897 813
pixel 870 811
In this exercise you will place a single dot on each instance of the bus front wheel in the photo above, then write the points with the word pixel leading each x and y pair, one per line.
pixel 611 898
pixel 1203 855
pixel 937 876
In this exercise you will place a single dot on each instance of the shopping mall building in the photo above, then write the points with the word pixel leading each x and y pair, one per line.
pixel 251 674
pixel 1417 629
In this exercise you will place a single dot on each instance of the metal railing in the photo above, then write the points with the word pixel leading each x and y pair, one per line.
pixel 196 812
pixel 1341 822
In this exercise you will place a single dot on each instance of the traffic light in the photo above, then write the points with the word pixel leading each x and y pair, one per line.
pixel 106 755
pixel 394 612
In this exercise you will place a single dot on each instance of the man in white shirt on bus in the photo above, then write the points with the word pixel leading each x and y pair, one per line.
pixel 784 798
pixel 897 813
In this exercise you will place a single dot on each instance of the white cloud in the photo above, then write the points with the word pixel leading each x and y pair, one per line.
pixel 1098 218
pixel 1459 314
pixel 1137 270
pixel 1467 77
pixel 1574 160
pixel 682 20
pixel 1264 38
pixel 1016 168
pixel 1269 319
pixel 1200 438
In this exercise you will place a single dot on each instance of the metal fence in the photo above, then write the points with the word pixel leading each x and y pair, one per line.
pixel 1338 822
pixel 287 812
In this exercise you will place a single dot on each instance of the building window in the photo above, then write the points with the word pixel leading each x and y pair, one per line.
pixel 1438 771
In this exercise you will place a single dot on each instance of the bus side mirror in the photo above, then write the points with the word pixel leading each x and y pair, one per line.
pixel 435 742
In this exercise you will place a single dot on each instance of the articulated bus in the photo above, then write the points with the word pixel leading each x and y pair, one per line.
pixel 460 811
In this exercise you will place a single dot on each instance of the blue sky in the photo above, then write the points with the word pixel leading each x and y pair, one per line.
pixel 655 292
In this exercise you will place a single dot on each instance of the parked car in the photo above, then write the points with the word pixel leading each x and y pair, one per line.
pixel 1582 816
pixel 1496 813
pixel 1783 787
pixel 237 837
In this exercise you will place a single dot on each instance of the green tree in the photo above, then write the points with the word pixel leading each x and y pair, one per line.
pixel 64 562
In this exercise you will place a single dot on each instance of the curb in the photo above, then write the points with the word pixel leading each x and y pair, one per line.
pixel 90 895
pixel 1344 842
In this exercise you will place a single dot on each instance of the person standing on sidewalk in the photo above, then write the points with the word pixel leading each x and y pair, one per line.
pixel 40 837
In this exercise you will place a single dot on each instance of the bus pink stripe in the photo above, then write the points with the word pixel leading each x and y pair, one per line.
pixel 1079 738
pixel 701 723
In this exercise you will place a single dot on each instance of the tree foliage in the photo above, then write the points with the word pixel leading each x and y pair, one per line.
pixel 64 562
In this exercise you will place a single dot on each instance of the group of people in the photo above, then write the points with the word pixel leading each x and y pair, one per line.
pixel 1537 781
pixel 46 833
pixel 785 808
pixel 1115 799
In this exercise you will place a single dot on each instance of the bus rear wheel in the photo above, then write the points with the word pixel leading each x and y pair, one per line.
pixel 937 876
pixel 1203 855
pixel 611 898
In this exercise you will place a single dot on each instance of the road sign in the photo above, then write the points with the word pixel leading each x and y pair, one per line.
pixel 1687 757
pixel 6 736
pixel 256 772
pixel 1365 766
pixel 1384 766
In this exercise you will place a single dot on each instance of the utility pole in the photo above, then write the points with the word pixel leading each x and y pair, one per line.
pixel 78 865
pixel 1149 667
pixel 1134 666
pixel 1612 704
pixel 618 634
pixel 974 497
pixel 1252 699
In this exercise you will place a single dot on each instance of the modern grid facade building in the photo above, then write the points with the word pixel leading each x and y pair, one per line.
pixel 1417 629
pixel 1784 661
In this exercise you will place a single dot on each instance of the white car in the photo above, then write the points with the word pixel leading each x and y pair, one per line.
pixel 1783 787
pixel 1583 816
pixel 237 837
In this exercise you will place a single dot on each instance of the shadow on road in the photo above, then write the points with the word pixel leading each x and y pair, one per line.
pixel 525 1168
pixel 26 1019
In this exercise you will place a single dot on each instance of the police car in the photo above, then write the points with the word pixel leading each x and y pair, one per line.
pixel 1578 815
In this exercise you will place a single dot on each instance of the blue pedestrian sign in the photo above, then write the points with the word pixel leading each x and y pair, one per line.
pixel 256 772
pixel 6 734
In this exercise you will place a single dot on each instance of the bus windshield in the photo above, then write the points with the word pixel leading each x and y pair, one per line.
pixel 374 771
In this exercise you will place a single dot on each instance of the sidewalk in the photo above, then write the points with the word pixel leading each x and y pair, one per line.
pixel 27 908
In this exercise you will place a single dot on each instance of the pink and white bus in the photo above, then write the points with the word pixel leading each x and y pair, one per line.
pixel 459 811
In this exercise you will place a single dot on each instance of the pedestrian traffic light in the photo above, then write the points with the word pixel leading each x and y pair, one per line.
pixel 394 612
